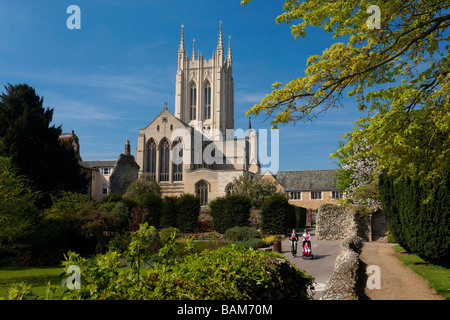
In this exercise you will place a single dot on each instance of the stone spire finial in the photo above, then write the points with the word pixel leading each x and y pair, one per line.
pixel 181 48
pixel 220 42
pixel 229 49
pixel 193 49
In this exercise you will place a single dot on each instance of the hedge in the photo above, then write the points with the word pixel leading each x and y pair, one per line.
pixel 418 221
pixel 274 214
pixel 188 211
pixel 169 212
pixel 230 211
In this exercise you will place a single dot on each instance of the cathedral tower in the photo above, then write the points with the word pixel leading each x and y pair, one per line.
pixel 204 93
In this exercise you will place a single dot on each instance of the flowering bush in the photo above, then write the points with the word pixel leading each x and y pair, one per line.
pixel 269 240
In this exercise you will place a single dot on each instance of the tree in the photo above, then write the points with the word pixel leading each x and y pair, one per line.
pixel 398 73
pixel 358 177
pixel 143 185
pixel 17 211
pixel 33 143
pixel 254 187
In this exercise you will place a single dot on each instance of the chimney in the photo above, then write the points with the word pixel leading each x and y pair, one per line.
pixel 127 148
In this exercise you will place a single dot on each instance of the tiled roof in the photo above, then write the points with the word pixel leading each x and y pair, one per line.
pixel 98 164
pixel 307 180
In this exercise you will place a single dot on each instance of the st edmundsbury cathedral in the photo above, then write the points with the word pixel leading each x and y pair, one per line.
pixel 197 149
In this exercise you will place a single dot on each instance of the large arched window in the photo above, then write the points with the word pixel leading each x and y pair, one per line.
pixel 201 189
pixel 193 102
pixel 164 160
pixel 151 158
pixel 177 161
pixel 207 101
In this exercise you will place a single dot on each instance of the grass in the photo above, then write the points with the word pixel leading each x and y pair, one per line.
pixel 437 277
pixel 37 277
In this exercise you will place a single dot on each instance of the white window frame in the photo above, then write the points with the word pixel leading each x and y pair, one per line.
pixel 104 188
pixel 317 195
pixel 295 195
pixel 105 171
pixel 334 193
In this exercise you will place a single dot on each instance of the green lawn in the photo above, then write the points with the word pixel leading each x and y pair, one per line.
pixel 437 277
pixel 37 277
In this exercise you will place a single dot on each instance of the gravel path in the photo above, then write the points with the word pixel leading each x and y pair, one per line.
pixel 398 282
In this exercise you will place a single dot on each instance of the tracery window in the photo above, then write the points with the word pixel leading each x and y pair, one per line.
pixel 164 160
pixel 193 102
pixel 177 161
pixel 201 190
pixel 207 99
pixel 151 158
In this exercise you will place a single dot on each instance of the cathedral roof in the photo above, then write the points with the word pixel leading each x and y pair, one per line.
pixel 307 180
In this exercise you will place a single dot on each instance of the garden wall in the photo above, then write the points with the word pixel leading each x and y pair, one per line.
pixel 353 227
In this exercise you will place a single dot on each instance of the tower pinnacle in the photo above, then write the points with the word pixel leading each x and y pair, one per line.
pixel 220 42
pixel 181 48
pixel 229 49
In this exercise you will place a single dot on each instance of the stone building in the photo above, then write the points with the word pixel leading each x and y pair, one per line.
pixel 196 149
pixel 309 189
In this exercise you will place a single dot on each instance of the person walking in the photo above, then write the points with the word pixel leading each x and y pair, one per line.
pixel 293 240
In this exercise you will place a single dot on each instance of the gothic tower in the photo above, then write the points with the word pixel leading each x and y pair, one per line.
pixel 204 93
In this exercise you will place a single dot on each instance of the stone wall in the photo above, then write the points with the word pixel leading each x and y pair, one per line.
pixel 333 222
pixel 342 284
pixel 125 172
pixel 353 226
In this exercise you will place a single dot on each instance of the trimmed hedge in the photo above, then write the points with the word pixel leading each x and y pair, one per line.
pixel 274 213
pixel 169 212
pixel 419 226
pixel 230 211
pixel 188 211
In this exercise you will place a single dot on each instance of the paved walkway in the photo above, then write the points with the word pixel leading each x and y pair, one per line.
pixel 321 267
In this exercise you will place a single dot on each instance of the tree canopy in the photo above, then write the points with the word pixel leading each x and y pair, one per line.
pixel 32 142
pixel 398 73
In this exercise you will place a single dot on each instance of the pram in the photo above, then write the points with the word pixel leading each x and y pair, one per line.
pixel 307 252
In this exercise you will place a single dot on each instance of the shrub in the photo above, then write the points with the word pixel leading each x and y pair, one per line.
pixel 274 211
pixel 242 233
pixel 169 212
pixel 232 273
pixel 166 233
pixel 188 211
pixel 151 202
pixel 269 240
pixel 230 211
pixel 252 243
pixel 137 215
pixel 112 197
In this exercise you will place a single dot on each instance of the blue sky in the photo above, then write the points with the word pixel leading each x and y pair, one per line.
pixel 112 77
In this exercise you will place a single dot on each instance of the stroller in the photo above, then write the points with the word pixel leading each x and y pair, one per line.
pixel 307 253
